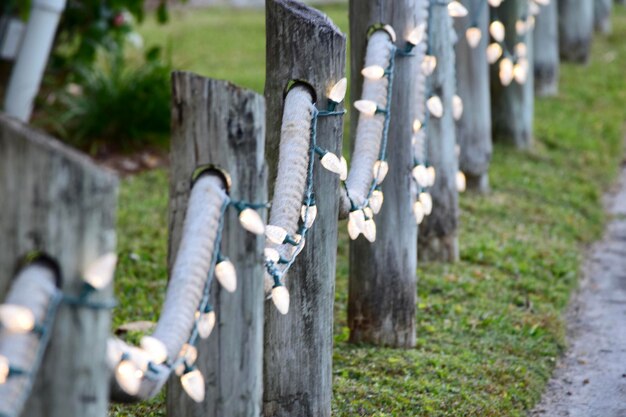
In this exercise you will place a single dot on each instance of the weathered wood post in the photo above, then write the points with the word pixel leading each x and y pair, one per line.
pixel 304 45
pixel 215 123
pixel 546 50
pixel 382 289
pixel 438 240
pixel 602 15
pixel 57 202
pixel 512 95
pixel 472 74
pixel 575 29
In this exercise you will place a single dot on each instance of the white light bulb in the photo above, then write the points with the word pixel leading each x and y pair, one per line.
pixel 494 52
pixel 435 106
pixel 417 34
pixel 530 23
pixel 251 221
pixel 343 174
pixel 380 170
pixel 376 201
pixel 275 234
pixel 427 203
pixel 156 350
pixel 431 176
pixel 356 223
pixel 366 107
pixel 542 2
pixel 497 31
pixel 520 71
pixel 521 50
pixel 417 125
pixel 370 230
pixel 16 319
pixel 280 298
pixel 331 162
pixel 4 369
pixel 226 275
pixel 429 64
pixel 128 376
pixel 193 384
pixel 189 353
pixel 206 323
pixel 310 212
pixel 420 174
pixel 114 351
pixel 473 36
pixel 272 254
pixel 533 8
pixel 461 183
pixel 456 9
pixel 338 91
pixel 100 273
pixel 373 72
pixel 418 212
pixel 520 27
pixel 506 71
pixel 494 3
pixel 457 107
pixel 390 30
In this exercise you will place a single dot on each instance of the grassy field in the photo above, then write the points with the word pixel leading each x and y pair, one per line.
pixel 489 327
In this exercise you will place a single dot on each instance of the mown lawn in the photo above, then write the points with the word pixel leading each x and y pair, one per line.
pixel 489 327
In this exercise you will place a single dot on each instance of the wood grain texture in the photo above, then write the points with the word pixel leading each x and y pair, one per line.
pixel 602 10
pixel 512 106
pixel 56 201
pixel 575 29
pixel 383 282
pixel 472 74
pixel 438 240
pixel 546 50
pixel 217 123
pixel 303 44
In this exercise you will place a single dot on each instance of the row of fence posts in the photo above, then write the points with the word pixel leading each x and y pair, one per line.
pixel 258 362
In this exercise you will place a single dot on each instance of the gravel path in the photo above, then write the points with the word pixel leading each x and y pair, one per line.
pixel 590 381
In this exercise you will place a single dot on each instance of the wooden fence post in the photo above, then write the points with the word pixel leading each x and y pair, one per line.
pixel 546 50
pixel 472 72
pixel 304 45
pixel 512 105
pixel 602 15
pixel 217 123
pixel 575 29
pixel 438 239
pixel 57 202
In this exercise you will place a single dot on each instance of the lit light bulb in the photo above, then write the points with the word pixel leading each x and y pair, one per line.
pixel 251 221
pixel 226 275
pixel 530 23
pixel 473 36
pixel 376 201
pixel 494 52
pixel 205 323
pixel 429 64
pixel 128 376
pixel 533 8
pixel 280 298
pixel 275 234
pixel 520 27
pixel 494 3
pixel 417 125
pixel 331 162
pixel 114 351
pixel 16 319
pixel 373 72
pixel 4 369
pixel 100 273
pixel 506 71
pixel 427 203
pixel 418 212
pixel 542 2
pixel 520 71
pixel 457 107
pixel 343 174
pixel 366 107
pixel 368 212
pixel 338 91
pixel 370 230
pixel 420 174
pixel 272 254
pixel 417 34
pixel 461 183
pixel 189 353
pixel 521 50
pixel 456 9
pixel 390 30
pixel 497 31
pixel 431 176
pixel 356 223
pixel 353 230
pixel 310 212
pixel 193 384
pixel 380 170
pixel 435 106
pixel 156 350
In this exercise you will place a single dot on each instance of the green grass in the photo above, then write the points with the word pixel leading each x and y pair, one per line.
pixel 489 327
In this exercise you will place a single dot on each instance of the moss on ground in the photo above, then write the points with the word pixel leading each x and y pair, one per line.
pixel 490 327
